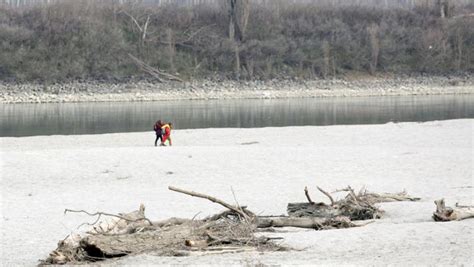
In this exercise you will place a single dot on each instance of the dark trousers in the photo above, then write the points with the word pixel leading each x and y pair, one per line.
pixel 158 136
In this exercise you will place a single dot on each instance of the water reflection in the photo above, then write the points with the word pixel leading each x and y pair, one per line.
pixel 94 118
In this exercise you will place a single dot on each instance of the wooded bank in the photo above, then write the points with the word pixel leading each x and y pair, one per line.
pixel 237 39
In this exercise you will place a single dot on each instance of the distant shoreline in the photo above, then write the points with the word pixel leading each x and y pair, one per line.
pixel 209 90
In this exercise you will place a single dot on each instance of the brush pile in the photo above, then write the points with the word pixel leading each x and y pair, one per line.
pixel 234 230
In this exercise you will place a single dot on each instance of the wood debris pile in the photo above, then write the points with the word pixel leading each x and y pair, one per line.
pixel 234 230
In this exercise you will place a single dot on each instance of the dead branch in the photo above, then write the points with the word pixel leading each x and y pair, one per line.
pixel 385 197
pixel 141 28
pixel 327 194
pixel 463 206
pixel 373 198
pixel 184 42
pixel 353 195
pixel 307 195
pixel 213 199
pixel 353 206
pixel 153 71
pixel 458 213
pixel 99 214
pixel 145 27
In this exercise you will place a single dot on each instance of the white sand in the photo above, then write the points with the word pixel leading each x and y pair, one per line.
pixel 41 176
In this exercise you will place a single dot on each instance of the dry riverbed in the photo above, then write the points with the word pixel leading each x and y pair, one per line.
pixel 43 175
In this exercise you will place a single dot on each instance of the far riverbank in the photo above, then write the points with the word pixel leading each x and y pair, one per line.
pixel 213 89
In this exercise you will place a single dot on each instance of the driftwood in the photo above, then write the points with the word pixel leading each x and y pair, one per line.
pixel 236 209
pixel 272 221
pixel 232 230
pixel 305 222
pixel 120 224
pixel 354 206
pixel 225 233
pixel 374 198
pixel 457 213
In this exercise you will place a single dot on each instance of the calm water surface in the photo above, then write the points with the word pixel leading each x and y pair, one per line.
pixel 96 118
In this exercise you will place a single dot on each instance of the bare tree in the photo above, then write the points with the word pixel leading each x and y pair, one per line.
pixel 171 49
pixel 373 30
pixel 459 49
pixel 326 58
pixel 141 23
pixel 239 11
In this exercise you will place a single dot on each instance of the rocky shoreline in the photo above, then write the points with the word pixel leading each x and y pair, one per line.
pixel 225 89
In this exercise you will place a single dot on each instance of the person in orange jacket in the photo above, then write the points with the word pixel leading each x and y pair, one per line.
pixel 166 130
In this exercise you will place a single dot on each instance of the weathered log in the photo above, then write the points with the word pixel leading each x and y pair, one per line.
pixel 305 222
pixel 457 213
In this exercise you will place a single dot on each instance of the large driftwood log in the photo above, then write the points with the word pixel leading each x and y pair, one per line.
pixel 457 213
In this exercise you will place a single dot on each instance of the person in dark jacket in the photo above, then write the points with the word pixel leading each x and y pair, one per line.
pixel 159 133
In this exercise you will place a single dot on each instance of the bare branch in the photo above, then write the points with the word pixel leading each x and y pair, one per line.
pixel 213 199
pixel 99 213
pixel 134 20
pixel 145 27
pixel 307 195
pixel 327 194
pixel 153 71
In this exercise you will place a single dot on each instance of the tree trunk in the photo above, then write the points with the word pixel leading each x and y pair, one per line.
pixel 237 60
pixel 459 48
pixel 374 47
pixel 326 58
pixel 239 11
pixel 171 50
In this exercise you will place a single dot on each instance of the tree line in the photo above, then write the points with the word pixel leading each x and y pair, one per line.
pixel 233 39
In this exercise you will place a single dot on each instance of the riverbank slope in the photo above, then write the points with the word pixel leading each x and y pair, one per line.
pixel 217 89
pixel 43 175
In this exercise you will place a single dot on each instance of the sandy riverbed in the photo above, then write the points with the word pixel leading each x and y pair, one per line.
pixel 266 167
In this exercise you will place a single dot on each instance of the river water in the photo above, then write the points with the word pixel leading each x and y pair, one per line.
pixel 97 118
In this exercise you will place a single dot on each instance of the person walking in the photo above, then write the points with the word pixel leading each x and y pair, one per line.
pixel 158 131
pixel 166 130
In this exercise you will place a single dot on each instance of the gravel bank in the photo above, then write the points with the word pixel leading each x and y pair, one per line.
pixel 206 89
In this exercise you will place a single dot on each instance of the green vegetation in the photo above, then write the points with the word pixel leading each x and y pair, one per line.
pixel 236 39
